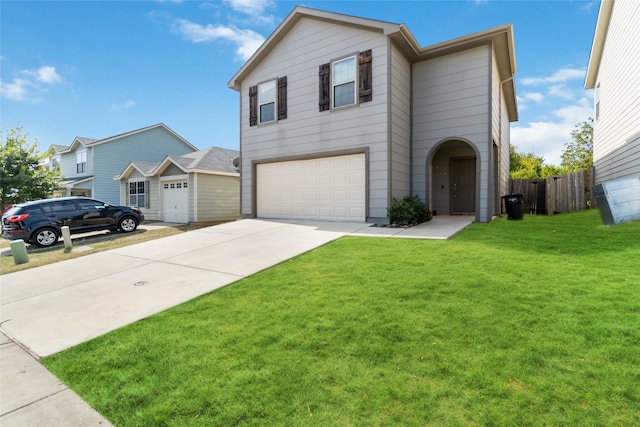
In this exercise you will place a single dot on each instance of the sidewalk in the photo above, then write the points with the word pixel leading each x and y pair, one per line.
pixel 32 396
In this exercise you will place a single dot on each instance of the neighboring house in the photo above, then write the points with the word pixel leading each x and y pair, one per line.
pixel 614 73
pixel 340 115
pixel 88 165
pixel 197 187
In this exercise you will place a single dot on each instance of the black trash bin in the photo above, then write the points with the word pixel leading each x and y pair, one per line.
pixel 514 204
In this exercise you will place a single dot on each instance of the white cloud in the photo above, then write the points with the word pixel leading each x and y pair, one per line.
pixel 48 75
pixel 534 96
pixel 247 41
pixel 561 91
pixel 255 8
pixel 16 90
pixel 547 138
pixel 561 76
pixel 129 103
pixel 31 85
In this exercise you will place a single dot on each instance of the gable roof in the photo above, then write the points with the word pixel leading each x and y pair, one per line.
pixel 501 38
pixel 599 37
pixel 90 142
pixel 213 160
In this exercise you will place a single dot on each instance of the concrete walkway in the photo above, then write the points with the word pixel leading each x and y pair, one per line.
pixel 51 308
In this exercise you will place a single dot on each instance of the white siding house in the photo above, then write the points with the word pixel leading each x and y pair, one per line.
pixel 366 115
pixel 614 74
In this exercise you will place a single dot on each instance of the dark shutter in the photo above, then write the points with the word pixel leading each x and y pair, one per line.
pixel 325 87
pixel 282 98
pixel 365 92
pixel 253 105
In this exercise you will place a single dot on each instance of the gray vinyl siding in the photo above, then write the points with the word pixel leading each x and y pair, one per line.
pixel 616 140
pixel 621 162
pixel 112 157
pixel 400 125
pixel 218 197
pixel 451 100
pixel 308 132
pixel 172 170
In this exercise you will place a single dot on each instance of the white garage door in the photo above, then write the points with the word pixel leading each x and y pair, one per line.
pixel 175 201
pixel 328 188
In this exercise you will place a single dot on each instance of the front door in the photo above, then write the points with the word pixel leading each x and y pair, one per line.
pixel 463 186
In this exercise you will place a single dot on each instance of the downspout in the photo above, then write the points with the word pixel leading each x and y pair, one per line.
pixel 500 127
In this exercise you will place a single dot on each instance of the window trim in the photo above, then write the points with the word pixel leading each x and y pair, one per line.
pixel 81 166
pixel 145 194
pixel 273 101
pixel 354 58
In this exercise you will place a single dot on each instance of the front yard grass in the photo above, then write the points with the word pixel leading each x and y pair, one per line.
pixel 533 322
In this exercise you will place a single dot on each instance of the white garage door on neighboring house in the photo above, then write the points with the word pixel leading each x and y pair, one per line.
pixel 327 188
pixel 175 201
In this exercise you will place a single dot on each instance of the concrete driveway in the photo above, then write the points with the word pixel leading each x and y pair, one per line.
pixel 57 306
pixel 47 309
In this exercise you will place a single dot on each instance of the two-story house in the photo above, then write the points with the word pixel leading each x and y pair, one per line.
pixel 340 115
pixel 89 165
pixel 614 74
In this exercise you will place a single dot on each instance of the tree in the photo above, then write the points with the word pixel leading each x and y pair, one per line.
pixel 524 166
pixel 578 154
pixel 22 173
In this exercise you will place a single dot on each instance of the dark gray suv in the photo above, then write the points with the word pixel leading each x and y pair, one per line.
pixel 40 222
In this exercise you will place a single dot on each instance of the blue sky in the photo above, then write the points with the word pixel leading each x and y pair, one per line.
pixel 100 68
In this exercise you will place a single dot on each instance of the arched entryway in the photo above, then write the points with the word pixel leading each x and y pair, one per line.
pixel 452 184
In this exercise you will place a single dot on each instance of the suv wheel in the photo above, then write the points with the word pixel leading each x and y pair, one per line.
pixel 127 224
pixel 45 237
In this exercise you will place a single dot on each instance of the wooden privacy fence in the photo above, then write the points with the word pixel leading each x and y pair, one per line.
pixel 557 194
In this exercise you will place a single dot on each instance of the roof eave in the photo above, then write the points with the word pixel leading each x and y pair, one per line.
pixel 599 38
pixel 215 172
pixel 296 14
pixel 133 132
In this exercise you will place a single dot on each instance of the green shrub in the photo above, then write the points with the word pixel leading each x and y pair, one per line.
pixel 408 211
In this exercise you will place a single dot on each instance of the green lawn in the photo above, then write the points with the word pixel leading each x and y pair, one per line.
pixel 533 322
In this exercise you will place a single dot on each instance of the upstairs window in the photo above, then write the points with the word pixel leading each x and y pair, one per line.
pixel 343 83
pixel 268 102
pixel 81 161
pixel 55 162
pixel 346 81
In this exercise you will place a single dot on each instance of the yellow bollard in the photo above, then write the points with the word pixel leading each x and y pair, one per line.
pixel 19 251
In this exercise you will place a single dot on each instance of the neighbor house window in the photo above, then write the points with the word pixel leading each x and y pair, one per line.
pixel 138 194
pixel 343 82
pixel 55 162
pixel 268 102
pixel 81 161
pixel 346 81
